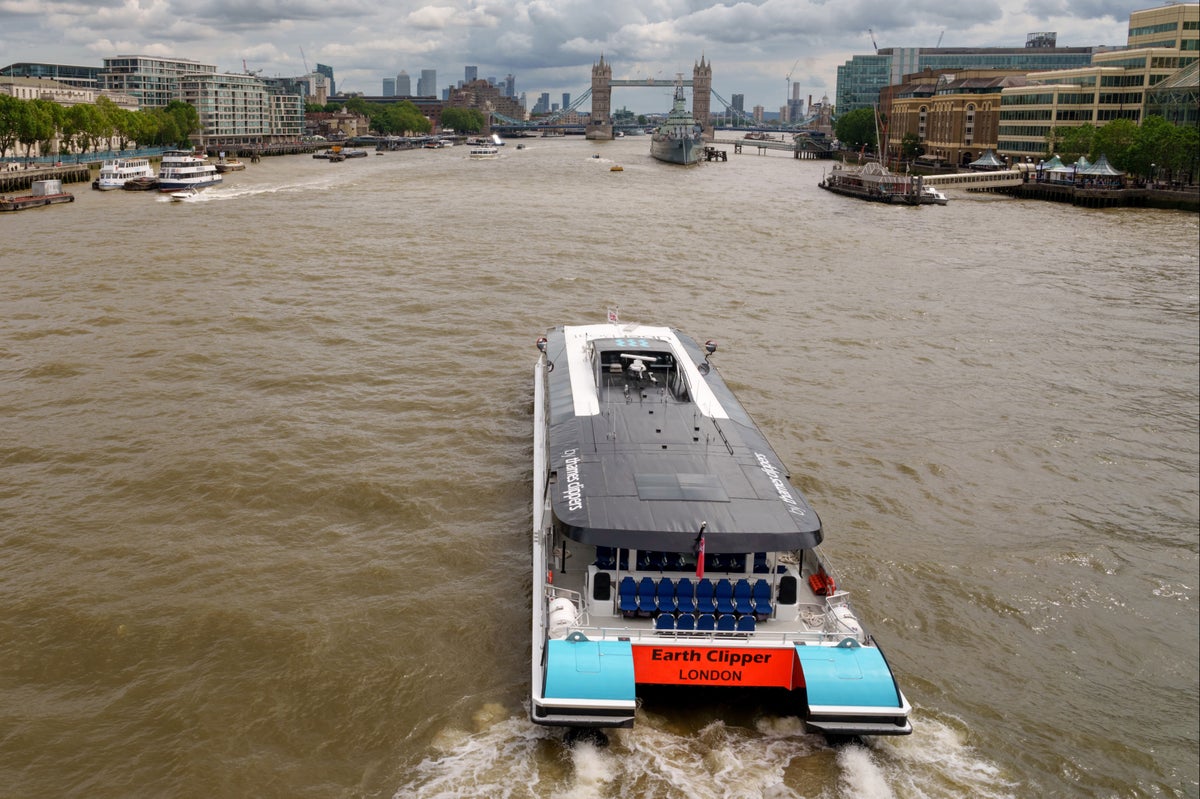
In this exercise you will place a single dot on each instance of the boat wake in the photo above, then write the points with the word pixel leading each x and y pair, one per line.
pixel 507 756
pixel 226 192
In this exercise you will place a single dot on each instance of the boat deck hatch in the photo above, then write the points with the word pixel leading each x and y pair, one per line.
pixel 692 487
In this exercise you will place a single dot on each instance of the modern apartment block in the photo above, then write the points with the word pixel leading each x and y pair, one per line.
pixel 957 114
pixel 860 79
pixel 1119 84
pixel 234 109
pixel 153 81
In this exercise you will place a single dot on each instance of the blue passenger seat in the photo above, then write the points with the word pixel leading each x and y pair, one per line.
pixel 726 622
pixel 685 595
pixel 647 603
pixel 664 621
pixel 704 597
pixel 706 622
pixel 762 600
pixel 686 621
pixel 606 558
pixel 724 596
pixel 742 603
pixel 627 597
pixel 745 624
pixel 665 596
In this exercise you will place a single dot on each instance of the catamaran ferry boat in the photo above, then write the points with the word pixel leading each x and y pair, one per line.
pixel 182 169
pixel 669 547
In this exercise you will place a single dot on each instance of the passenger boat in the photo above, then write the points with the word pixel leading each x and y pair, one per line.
pixel 41 192
pixel 116 173
pixel 141 184
pixel 482 152
pixel 181 169
pixel 876 183
pixel 669 547
pixel 224 165
pixel 936 196
pixel 678 140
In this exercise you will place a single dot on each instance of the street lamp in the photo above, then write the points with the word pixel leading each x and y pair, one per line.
pixel 1153 173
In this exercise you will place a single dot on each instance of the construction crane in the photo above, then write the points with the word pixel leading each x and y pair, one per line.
pixel 305 60
pixel 940 35
pixel 788 96
pixel 872 38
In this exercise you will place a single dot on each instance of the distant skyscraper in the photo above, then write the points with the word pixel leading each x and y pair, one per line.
pixel 389 87
pixel 427 84
pixel 403 85
pixel 510 86
pixel 795 106
pixel 470 74
pixel 327 71
pixel 566 100
pixel 738 101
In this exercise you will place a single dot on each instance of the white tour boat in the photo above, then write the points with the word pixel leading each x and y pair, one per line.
pixel 669 547
pixel 482 152
pixel 181 169
pixel 114 173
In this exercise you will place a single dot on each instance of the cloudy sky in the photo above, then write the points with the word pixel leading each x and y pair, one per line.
pixel 549 45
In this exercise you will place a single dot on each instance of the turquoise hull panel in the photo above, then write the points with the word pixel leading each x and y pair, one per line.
pixel 847 677
pixel 590 670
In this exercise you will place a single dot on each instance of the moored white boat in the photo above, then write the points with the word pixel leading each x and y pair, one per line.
pixel 484 151
pixel 181 169
pixel 669 547
pixel 936 196
pixel 224 165
pixel 115 173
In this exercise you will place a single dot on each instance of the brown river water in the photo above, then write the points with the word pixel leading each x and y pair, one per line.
pixel 265 475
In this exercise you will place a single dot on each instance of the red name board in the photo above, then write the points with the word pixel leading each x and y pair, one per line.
pixel 688 665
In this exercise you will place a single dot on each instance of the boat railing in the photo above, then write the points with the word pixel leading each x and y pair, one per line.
pixel 582 617
pixel 828 635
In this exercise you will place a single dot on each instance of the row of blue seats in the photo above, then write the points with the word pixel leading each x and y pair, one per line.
pixel 705 622
pixel 606 558
pixel 648 597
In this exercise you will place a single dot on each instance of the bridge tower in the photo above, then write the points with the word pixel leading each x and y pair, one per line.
pixel 702 97
pixel 600 123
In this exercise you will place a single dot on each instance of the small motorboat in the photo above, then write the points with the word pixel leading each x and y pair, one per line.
pixel 184 194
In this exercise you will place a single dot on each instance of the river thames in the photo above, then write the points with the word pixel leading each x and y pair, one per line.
pixel 265 475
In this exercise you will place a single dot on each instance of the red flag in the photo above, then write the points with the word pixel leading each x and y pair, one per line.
pixel 700 551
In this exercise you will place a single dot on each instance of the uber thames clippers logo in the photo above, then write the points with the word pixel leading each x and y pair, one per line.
pixel 781 486
pixel 573 491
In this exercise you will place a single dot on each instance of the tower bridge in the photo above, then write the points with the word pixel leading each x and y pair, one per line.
pixel 600 127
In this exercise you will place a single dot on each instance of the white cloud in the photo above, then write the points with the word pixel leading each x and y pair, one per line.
pixel 550 45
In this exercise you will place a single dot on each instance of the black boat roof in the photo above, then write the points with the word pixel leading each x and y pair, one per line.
pixel 646 444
